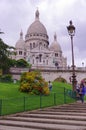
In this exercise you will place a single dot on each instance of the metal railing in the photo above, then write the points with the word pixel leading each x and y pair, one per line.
pixel 32 102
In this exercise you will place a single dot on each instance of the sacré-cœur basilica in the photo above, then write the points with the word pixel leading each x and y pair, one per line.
pixel 36 48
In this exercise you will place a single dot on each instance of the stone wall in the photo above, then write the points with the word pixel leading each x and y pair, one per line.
pixel 51 74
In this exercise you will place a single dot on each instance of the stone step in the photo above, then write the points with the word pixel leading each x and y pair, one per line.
pixel 68 117
pixel 66 110
pixel 47 120
pixel 70 108
pixel 73 104
pixel 63 117
pixel 45 126
pixel 15 128
pixel 58 113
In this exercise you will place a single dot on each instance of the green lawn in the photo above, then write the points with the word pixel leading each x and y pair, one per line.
pixel 58 86
pixel 13 101
pixel 8 90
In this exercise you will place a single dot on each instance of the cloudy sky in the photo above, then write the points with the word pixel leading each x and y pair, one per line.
pixel 55 15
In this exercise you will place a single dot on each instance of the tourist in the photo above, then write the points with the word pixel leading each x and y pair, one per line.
pixel 82 92
pixel 85 86
pixel 50 85
pixel 77 87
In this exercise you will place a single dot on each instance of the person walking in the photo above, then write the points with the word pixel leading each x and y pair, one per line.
pixel 85 86
pixel 77 86
pixel 82 92
pixel 50 85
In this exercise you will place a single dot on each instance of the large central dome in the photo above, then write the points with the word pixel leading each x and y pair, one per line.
pixel 37 26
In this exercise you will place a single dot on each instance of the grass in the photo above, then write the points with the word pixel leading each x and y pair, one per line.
pixel 58 86
pixel 9 90
pixel 12 100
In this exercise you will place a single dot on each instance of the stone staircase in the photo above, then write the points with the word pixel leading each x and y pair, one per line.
pixel 65 117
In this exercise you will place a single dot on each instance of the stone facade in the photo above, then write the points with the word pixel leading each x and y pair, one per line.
pixel 51 75
pixel 36 49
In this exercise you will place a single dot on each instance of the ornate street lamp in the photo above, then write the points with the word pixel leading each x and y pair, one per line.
pixel 71 32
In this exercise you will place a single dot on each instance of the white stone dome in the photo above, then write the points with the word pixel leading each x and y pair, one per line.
pixel 20 43
pixel 55 46
pixel 37 27
pixel 36 30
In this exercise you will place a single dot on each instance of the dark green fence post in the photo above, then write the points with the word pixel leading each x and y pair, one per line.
pixel 0 107
pixel 40 101
pixel 64 95
pixel 24 103
pixel 54 98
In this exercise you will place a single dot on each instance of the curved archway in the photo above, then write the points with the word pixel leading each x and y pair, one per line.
pixel 60 79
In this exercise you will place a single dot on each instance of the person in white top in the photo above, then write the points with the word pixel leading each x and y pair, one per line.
pixel 50 85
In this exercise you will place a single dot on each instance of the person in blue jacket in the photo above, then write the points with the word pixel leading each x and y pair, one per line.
pixel 82 92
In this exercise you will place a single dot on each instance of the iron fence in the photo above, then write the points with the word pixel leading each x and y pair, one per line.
pixel 32 102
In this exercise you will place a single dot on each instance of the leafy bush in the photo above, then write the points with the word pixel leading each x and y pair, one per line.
pixel 32 82
pixel 6 78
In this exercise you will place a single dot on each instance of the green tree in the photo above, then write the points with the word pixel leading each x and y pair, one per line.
pixel 4 57
pixel 22 63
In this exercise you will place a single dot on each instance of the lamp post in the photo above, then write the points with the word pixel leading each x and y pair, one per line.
pixel 71 32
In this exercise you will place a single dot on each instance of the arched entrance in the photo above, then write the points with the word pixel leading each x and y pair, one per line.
pixel 60 79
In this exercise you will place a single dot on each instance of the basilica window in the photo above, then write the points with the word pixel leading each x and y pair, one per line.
pixel 56 54
pixel 24 53
pixel 33 44
pixel 47 62
pixel 43 61
pixel 40 57
pixel 40 43
pixel 20 52
pixel 30 45
pixel 33 61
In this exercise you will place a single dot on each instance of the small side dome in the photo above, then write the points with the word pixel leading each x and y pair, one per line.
pixel 55 46
pixel 20 43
